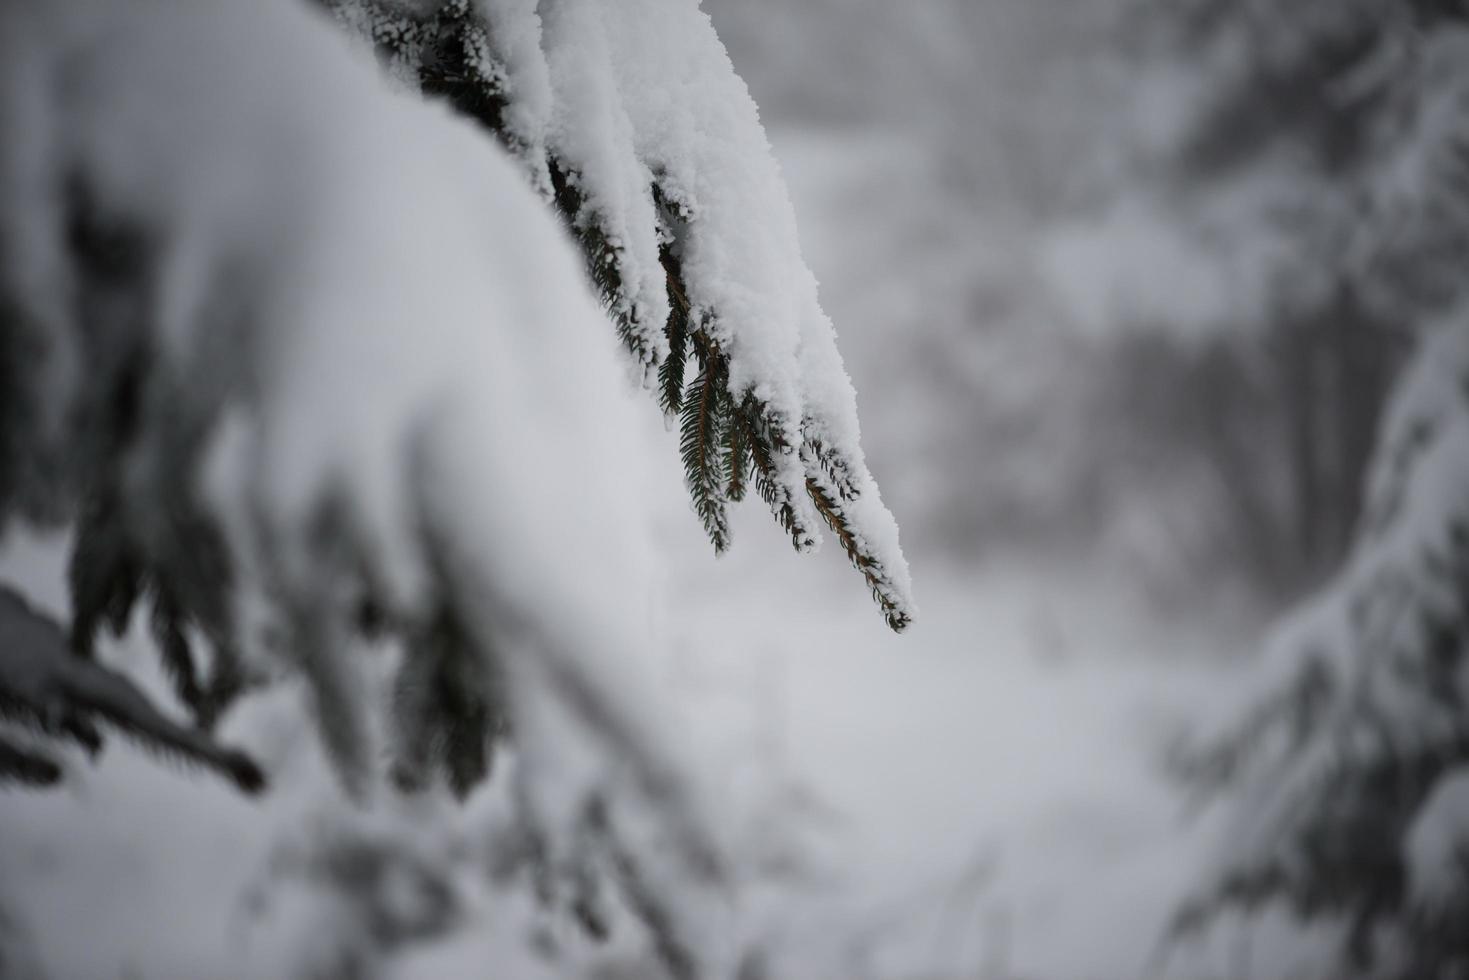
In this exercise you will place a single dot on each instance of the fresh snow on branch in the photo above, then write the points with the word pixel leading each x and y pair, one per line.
pixel 632 119
pixel 356 343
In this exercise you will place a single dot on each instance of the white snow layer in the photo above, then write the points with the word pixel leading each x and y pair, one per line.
pixel 395 334
pixel 646 94
pixel 640 96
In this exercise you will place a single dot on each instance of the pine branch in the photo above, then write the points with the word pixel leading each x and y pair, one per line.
pixel 751 440
pixel 678 331
pixel 889 598
pixel 168 626
pixel 26 766
pixel 397 34
pixel 447 717
pixel 776 494
pixel 836 467
pixel 603 263
pixel 673 217
pixel 749 437
pixel 681 333
pixel 737 460
pixel 456 64
pixel 107 574
pixel 41 680
pixel 704 418
pixel 658 915
pixel 104 576
pixel 413 723
pixel 723 447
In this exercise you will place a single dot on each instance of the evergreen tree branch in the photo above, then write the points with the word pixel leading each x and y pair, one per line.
pixel 704 418
pixel 765 443
pixel 448 48
pixel 168 626
pixel 604 263
pixel 737 460
pixel 42 680
pixel 25 766
pixel 889 597
pixel 679 330
pixel 446 715
pixel 104 576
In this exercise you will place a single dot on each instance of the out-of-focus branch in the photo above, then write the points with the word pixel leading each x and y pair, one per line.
pixel 43 684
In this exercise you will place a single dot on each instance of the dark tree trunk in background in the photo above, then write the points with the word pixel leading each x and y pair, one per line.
pixel 1334 369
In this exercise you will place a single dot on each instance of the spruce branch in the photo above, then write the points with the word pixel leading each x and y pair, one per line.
pixel 884 591
pixel 108 573
pixel 456 64
pixel 678 331
pixel 737 460
pixel 43 683
pixel 104 575
pixel 414 723
pixel 703 421
pixel 751 437
pixel 725 445
pixel 446 712
pixel 765 443
pixel 660 916
pixel 168 626
pixel 26 766
pixel 836 468
pixel 604 264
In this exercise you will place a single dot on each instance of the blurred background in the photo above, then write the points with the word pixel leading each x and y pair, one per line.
pixel 1068 322
pixel 1096 269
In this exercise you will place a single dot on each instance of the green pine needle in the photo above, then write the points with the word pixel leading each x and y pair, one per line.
pixel 603 262
pixel 737 460
pixel 704 417
pixel 759 435
pixel 671 371
pixel 724 448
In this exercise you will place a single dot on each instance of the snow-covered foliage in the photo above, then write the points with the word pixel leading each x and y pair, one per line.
pixel 1343 770
pixel 632 121
pixel 317 376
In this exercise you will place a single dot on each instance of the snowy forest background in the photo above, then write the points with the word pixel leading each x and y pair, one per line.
pixel 1154 312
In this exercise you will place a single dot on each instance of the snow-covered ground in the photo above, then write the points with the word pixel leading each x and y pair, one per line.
pixel 989 786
